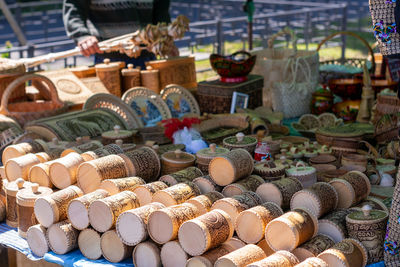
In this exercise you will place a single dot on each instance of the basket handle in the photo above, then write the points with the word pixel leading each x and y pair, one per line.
pixel 300 165
pixel 329 37
pixel 34 78
pixel 283 32
pixel 373 170
pixel 372 152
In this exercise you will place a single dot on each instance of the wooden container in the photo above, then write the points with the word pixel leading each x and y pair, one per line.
pixel 25 201
pixel 163 225
pixel 131 225
pixel 172 162
pixel 82 148
pixel 280 191
pixel 62 237
pixel 352 187
pixel 323 159
pixel 181 176
pixel 14 151
pixel 53 208
pixel 3 212
pixel 241 257
pixel 368 227
pixel 205 232
pixel 314 247
pixel 312 262
pixel 250 224
pixel 374 202
pixel 145 192
pixel 348 253
pixel 250 183
pixel 150 79
pixel 89 244
pixel 147 254
pixel 205 155
pixel 130 77
pixel 63 171
pixel 334 225
pixel 19 167
pixel 306 175
pixel 206 184
pixel 110 137
pixel 204 202
pixel 37 241
pixel 329 175
pixel 280 258
pixel 112 248
pixel 176 194
pixel 269 170
pixel 291 230
pixel 146 163
pixel 110 76
pixel 103 213
pixel 231 167
pixel 40 174
pixel 115 186
pixel 78 208
pixel 320 199
pixel 236 204
pixel 240 141
pixel 12 189
pixel 172 254
pixel 354 159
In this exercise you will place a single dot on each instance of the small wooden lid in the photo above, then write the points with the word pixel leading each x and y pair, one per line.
pixel 89 244
pixel 37 241
pixel 112 247
pixel 345 192
pixel 147 254
pixel 300 170
pixel 28 196
pixel 367 216
pixel 172 255
pixel 117 133
pixel 13 187
pixel 177 157
pixel 107 65
pixel 240 140
pixel 130 70
pixel 211 152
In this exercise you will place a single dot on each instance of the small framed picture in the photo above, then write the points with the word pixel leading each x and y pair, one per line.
pixel 239 100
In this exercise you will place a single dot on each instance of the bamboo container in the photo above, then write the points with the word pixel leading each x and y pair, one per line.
pixel 236 204
pixel 312 262
pixel 205 155
pixel 109 75
pixel 78 208
pixel 115 186
pixel 176 194
pixel 63 171
pixel 130 77
pixel 267 249
pixel 314 247
pixel 14 151
pixel 352 187
pixel 291 230
pixel 53 208
pixel 250 183
pixel 163 225
pixel 37 240
pixel 113 249
pixel 3 212
pixel 19 167
pixel 62 237
pixel 279 259
pixel 146 163
pixel 240 141
pixel 250 224
pixel 241 257
pixel 175 161
pixel 25 201
pixel 182 176
pixel 88 146
pixel 321 198
pixel 233 166
pixel 205 232
pixel 354 159
pixel 334 225
pixel 145 192
pixel 131 225
pixel 40 174
pixel 110 137
pixel 173 255
pixel 12 189
pixel 150 79
pixel 204 202
pixel 348 253
pixel 280 191
pixel 206 184
pixel 103 213
pixel 110 149
pixel 269 170
pixel 146 254
pixel 305 174
pixel 89 244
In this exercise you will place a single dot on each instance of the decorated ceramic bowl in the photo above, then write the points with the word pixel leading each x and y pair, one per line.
pixel 236 66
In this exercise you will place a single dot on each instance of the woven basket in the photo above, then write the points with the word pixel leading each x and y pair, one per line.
pixel 25 112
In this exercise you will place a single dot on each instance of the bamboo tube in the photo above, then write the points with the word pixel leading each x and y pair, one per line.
pixel 145 162
pixel 205 202
pixel 145 192
pixel 206 184
pixel 11 189
pixel 113 249
pixel 250 183
pixel 109 74
pixel 182 176
pixel 210 257
pixel 163 225
pixel 103 213
pixel 62 237
pixel 37 241
pixel 314 247
pixel 19 167
pixel 89 244
pixel 150 79
pixel 40 174
pixel 131 225
pixel 63 171
pixel 115 186
pixel 52 209
pixel 146 254
pixel 205 232
pixel 172 254
pixel 280 258
pixel 241 257
pixel 77 210
pixel 89 146
pixel 176 194
pixel 14 151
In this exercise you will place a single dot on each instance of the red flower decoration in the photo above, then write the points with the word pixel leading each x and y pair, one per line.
pixel 174 124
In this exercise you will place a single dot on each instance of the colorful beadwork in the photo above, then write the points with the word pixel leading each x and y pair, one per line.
pixel 391 247
pixel 384 32
pixel 390 1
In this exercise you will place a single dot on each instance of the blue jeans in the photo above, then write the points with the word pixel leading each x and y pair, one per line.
pixel 145 56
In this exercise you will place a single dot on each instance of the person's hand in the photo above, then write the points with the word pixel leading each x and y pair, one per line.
pixel 89 46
